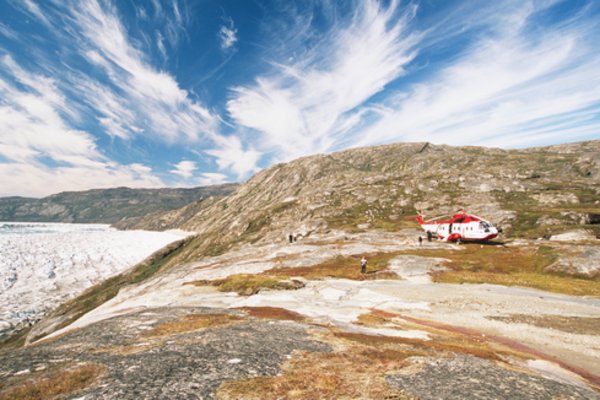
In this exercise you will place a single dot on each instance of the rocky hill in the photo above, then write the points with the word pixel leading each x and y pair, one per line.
pixel 104 205
pixel 530 193
pixel 236 311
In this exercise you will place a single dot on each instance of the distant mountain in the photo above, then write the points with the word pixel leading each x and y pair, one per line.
pixel 530 193
pixel 105 205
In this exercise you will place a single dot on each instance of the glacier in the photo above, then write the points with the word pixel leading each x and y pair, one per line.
pixel 45 264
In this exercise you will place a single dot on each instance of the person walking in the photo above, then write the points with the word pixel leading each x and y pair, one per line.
pixel 420 241
pixel 363 265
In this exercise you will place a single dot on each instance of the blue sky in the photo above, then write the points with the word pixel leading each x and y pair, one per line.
pixel 101 93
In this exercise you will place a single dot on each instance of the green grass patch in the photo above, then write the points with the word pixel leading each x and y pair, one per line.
pixel 529 211
pixel 376 215
pixel 340 267
pixel 16 340
pixel 550 283
pixel 509 266
pixel 248 284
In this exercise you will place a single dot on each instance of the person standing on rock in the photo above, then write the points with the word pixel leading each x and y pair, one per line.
pixel 363 265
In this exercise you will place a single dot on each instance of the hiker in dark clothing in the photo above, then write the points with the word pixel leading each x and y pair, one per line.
pixel 291 238
pixel 429 236
pixel 363 265
pixel 420 240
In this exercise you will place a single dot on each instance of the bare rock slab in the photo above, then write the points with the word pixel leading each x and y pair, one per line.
pixel 173 365
pixel 469 377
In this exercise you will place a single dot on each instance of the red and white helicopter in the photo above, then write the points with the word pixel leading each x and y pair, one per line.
pixel 460 227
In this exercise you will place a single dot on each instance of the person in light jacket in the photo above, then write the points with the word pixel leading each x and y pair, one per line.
pixel 363 265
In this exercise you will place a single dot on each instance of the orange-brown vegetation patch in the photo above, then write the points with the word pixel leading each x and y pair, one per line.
pixel 469 341
pixel 358 367
pixel 495 258
pixel 50 384
pixel 273 313
pixel 357 372
pixel 509 266
pixel 192 322
pixel 444 338
pixel 438 345
pixel 342 267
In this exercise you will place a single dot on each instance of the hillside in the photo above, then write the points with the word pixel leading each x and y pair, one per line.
pixel 238 312
pixel 104 205
pixel 530 193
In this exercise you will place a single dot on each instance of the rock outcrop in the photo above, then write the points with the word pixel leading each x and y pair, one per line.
pixel 530 193
pixel 583 261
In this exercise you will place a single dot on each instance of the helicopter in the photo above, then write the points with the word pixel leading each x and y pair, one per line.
pixel 460 227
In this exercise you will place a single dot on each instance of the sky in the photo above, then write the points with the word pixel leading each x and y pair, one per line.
pixel 182 93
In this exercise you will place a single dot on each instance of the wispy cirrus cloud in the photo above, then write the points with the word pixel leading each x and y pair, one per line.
pixel 31 7
pixel 124 93
pixel 42 153
pixel 509 89
pixel 7 32
pixel 307 105
pixel 159 105
pixel 515 79
pixel 85 84
pixel 30 118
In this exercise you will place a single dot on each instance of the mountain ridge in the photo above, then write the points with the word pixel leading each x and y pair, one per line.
pixel 103 205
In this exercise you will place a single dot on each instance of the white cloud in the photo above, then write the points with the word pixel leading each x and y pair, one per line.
pixel 153 98
pixel 160 43
pixel 231 155
pixel 141 13
pixel 7 32
pixel 30 119
pixel 34 180
pixel 33 8
pixel 140 169
pixel 44 153
pixel 185 169
pixel 113 128
pixel 507 90
pixel 211 178
pixel 227 35
pixel 158 11
pixel 307 106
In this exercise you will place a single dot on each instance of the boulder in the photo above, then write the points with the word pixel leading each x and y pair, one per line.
pixel 584 262
pixel 574 236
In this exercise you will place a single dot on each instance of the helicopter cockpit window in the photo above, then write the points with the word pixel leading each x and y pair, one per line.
pixel 485 226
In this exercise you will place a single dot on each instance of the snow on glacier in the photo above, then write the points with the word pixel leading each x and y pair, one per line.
pixel 45 264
